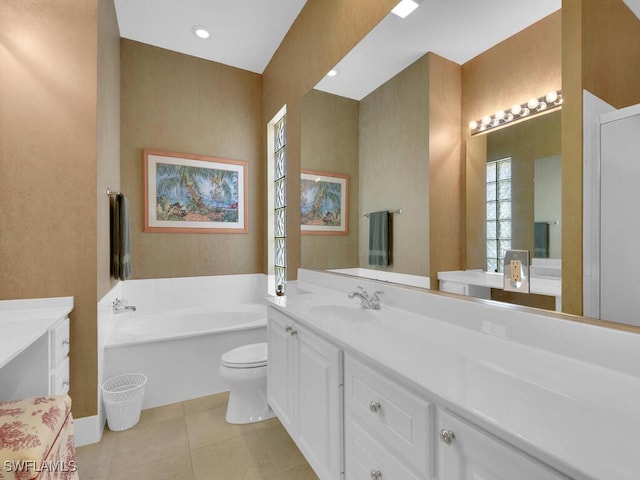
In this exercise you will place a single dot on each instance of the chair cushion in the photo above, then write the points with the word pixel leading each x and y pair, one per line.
pixel 29 430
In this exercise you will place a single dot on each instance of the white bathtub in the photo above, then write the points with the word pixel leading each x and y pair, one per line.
pixel 179 350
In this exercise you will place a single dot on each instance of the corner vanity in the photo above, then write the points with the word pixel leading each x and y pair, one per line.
pixel 436 387
pixel 34 347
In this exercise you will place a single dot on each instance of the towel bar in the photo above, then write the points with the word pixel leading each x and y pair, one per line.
pixel 109 192
pixel 399 211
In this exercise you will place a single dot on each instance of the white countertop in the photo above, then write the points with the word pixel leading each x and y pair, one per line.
pixel 541 285
pixel 22 322
pixel 575 408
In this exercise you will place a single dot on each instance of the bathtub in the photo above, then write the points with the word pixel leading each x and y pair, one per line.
pixel 179 350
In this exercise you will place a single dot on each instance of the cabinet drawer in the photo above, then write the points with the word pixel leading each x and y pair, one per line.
pixel 469 453
pixel 365 457
pixel 397 417
pixel 59 338
pixel 60 378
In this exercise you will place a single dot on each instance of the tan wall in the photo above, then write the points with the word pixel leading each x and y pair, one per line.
pixel 324 31
pixel 525 65
pixel 178 103
pixel 394 166
pixel 108 133
pixel 329 143
pixel 601 47
pixel 446 167
pixel 48 158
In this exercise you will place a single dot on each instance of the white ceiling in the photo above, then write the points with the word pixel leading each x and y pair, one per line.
pixel 457 30
pixel 246 33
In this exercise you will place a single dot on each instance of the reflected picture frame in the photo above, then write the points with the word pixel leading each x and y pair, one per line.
pixel 324 203
pixel 190 193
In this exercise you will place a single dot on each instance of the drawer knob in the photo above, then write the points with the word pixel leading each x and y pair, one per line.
pixel 66 383
pixel 376 474
pixel 447 436
pixel 288 328
pixel 294 332
pixel 375 407
pixel 66 341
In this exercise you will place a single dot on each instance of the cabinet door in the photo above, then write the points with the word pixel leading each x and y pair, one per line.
pixel 467 453
pixel 280 367
pixel 318 392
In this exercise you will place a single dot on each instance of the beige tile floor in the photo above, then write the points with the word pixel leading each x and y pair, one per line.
pixel 191 441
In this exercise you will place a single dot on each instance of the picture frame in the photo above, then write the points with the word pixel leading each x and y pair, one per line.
pixel 324 203
pixel 188 193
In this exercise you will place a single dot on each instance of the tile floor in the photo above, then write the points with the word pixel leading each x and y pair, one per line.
pixel 191 441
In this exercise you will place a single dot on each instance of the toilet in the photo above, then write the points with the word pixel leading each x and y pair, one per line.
pixel 244 369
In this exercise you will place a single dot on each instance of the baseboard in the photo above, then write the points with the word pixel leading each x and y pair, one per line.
pixel 87 430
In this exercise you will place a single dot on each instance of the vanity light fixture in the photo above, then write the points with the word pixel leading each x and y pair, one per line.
pixel 405 7
pixel 200 31
pixel 550 101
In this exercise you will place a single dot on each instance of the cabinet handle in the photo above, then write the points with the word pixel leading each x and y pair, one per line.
pixel 66 383
pixel 376 474
pixel 447 436
pixel 294 332
pixel 375 407
pixel 66 341
pixel 288 328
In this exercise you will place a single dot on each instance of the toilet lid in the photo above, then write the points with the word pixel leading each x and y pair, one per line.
pixel 247 356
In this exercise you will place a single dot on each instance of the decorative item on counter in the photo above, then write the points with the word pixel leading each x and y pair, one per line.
pixel 280 291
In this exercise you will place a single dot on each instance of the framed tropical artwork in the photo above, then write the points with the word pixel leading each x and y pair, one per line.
pixel 323 203
pixel 188 193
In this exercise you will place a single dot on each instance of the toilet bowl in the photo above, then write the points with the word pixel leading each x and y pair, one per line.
pixel 244 369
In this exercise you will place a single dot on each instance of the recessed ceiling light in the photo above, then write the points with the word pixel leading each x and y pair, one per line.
pixel 404 8
pixel 200 31
pixel 332 73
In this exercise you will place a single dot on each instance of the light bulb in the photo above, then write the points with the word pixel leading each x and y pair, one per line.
pixel 516 109
pixel 533 103
pixel 486 120
pixel 499 115
pixel 541 106
pixel 200 31
pixel 509 117
pixel 525 112
pixel 551 97
pixel 473 125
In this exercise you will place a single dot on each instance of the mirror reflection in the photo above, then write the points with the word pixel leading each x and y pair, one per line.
pixel 380 136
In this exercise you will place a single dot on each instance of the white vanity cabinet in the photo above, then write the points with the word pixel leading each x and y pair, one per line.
pixel 34 347
pixel 305 391
pixel 59 342
pixel 467 453
pixel 388 430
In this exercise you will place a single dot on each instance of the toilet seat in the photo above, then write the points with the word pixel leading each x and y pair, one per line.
pixel 247 356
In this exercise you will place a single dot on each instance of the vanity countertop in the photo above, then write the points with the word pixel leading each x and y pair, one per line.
pixel 574 405
pixel 22 322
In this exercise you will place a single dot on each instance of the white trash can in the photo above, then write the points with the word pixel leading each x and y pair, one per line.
pixel 122 396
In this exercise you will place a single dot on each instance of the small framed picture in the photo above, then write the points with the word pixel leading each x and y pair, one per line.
pixel 324 199
pixel 188 193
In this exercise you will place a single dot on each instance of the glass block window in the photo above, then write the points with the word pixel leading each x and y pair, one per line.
pixel 498 212
pixel 280 200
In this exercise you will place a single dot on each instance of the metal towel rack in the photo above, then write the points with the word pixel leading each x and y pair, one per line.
pixel 398 211
pixel 109 192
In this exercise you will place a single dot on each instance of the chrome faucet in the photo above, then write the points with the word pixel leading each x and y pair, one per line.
pixel 367 302
pixel 120 306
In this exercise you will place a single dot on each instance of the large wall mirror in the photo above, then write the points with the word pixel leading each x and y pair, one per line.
pixel 371 122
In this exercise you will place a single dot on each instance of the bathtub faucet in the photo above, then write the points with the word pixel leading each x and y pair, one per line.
pixel 120 306
pixel 372 303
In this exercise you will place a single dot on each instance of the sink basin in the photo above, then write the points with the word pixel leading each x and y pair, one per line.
pixel 344 312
